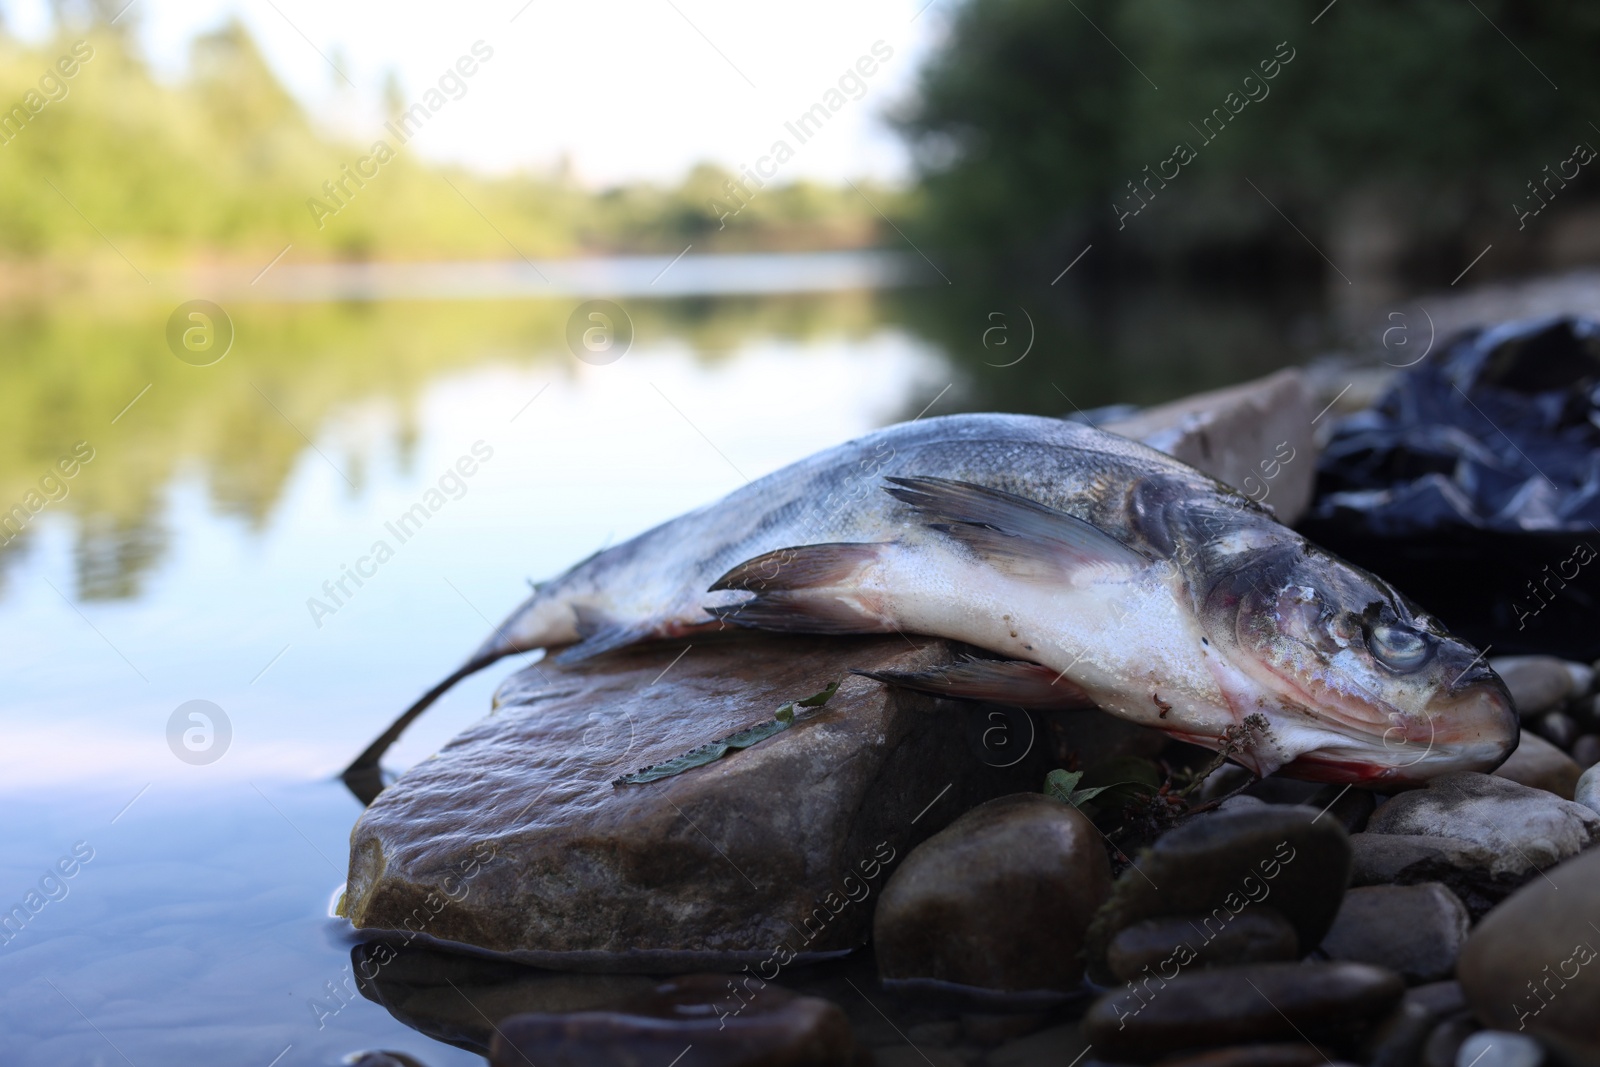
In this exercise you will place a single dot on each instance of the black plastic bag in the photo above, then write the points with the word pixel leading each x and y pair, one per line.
pixel 1473 484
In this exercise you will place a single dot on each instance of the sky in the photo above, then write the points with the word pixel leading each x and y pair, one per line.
pixel 620 89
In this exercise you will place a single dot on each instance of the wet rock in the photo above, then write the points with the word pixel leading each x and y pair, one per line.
pixel 1496 1048
pixel 1538 683
pixel 991 1030
pixel 1255 935
pixel 1224 780
pixel 1285 791
pixel 514 838
pixel 1519 826
pixel 1398 1040
pixel 997 900
pixel 1241 803
pixel 1587 791
pixel 1259 1002
pixel 1586 750
pixel 1349 806
pixel 1558 728
pixel 1283 1054
pixel 1533 964
pixel 1582 675
pixel 1416 930
pixel 1541 765
pixel 1461 866
pixel 1445 1041
pixel 1256 437
pixel 692 1021
pixel 1059 1044
pixel 1219 864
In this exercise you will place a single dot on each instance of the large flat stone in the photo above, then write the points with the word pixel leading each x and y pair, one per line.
pixel 774 850
pixel 1242 436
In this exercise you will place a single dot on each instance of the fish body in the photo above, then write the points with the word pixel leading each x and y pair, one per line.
pixel 1103 573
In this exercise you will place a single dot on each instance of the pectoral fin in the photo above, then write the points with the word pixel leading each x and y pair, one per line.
pixel 813 589
pixel 1014 533
pixel 1000 681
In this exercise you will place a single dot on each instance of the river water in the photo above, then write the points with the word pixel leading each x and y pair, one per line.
pixel 167 877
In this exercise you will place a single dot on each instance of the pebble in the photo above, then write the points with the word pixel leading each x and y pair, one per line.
pixel 1057 1045
pixel 1558 728
pixel 1586 750
pixel 1284 1054
pixel 1537 683
pixel 1496 1048
pixel 1539 764
pixel 1224 780
pixel 1415 930
pixel 772 1028
pixel 1398 1040
pixel 1463 867
pixel 999 899
pixel 1445 1041
pixel 1219 864
pixel 1255 935
pixel 1256 1002
pixel 1517 825
pixel 1351 807
pixel 1582 675
pixel 1532 966
pixel 1587 792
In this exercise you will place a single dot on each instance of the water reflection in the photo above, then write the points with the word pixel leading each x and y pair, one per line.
pixel 298 374
pixel 1095 346
pixel 330 373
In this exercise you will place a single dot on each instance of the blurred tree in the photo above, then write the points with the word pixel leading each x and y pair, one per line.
pixel 1424 119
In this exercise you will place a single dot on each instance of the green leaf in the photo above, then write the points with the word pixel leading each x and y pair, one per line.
pixel 1060 784
pixel 709 753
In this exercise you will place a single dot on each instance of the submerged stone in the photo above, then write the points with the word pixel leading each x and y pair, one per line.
pixel 692 1021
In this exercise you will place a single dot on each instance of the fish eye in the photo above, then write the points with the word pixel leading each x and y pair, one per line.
pixel 1398 647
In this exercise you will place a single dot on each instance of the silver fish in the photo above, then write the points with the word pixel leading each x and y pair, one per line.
pixel 1105 574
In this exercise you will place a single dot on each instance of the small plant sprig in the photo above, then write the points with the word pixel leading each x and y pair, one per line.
pixel 715 750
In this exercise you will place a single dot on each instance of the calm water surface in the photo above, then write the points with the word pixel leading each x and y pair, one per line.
pixel 190 559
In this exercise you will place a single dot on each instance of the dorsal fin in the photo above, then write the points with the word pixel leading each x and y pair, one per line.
pixel 1013 531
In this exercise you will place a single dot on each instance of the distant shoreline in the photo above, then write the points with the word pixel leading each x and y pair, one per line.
pixel 648 276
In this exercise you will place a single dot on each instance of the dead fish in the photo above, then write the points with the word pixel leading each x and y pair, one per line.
pixel 1101 572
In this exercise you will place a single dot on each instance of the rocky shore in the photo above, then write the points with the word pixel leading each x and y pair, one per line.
pixel 883 877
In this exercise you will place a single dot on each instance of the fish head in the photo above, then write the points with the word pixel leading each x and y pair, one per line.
pixel 1355 682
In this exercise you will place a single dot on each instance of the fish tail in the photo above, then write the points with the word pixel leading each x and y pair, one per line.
pixel 537 622
pixel 367 762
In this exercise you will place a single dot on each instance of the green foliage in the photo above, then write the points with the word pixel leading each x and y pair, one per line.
pixel 1107 786
pixel 1030 124
pixel 227 163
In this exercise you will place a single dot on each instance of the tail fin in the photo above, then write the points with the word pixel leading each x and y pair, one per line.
pixel 523 631
pixel 362 774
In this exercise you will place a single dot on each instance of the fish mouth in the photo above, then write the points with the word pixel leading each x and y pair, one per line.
pixel 1470 725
